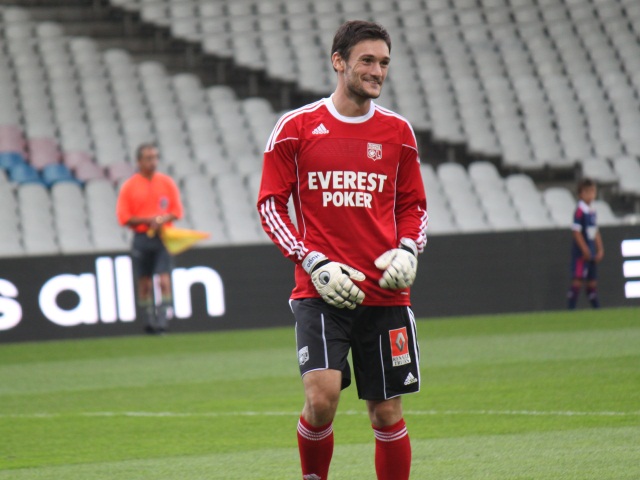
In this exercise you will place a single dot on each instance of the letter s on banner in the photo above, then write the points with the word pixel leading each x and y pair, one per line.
pixel 10 309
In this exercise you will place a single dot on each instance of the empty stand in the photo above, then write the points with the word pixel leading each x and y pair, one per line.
pixel 543 89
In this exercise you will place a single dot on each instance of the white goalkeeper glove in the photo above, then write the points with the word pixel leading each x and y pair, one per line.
pixel 333 280
pixel 400 265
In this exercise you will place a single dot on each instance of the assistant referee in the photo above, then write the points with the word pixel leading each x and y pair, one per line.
pixel 147 201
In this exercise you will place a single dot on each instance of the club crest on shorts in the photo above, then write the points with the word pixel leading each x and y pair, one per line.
pixel 303 355
pixel 399 347
pixel 374 151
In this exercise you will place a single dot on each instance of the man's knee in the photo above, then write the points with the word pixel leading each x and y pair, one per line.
pixel 383 413
pixel 165 283
pixel 322 394
pixel 145 286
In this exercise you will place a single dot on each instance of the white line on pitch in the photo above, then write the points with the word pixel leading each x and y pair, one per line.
pixel 529 413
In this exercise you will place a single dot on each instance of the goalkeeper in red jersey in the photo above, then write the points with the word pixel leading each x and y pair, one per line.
pixel 353 170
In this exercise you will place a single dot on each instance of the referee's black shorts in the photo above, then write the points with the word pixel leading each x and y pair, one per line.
pixel 383 344
pixel 149 256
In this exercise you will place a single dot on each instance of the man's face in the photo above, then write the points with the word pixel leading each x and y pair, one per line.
pixel 365 71
pixel 148 161
pixel 588 194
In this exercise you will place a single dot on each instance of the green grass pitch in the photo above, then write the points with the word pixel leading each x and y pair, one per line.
pixel 548 396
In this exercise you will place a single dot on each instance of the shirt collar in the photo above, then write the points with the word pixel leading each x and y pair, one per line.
pixel 584 206
pixel 332 109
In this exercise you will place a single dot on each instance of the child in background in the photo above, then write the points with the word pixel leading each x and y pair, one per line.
pixel 587 250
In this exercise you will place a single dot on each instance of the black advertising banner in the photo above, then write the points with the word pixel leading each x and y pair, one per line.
pixel 79 296
pixel 94 295
pixel 519 272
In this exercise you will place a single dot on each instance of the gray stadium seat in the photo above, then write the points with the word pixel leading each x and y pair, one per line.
pixel 561 205
pixel 239 214
pixel 70 218
pixel 605 215
pixel 37 220
pixel 528 202
pixel 628 170
pixel 203 208
pixel 106 233
pixel 10 237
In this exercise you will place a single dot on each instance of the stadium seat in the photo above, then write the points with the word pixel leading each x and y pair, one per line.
pixel 561 205
pixel 440 217
pixel 118 171
pixel 74 158
pixel 56 173
pixel 599 170
pixel 202 206
pixel 70 218
pixel 11 139
pixel 43 152
pixel 628 170
pixel 10 159
pixel 239 215
pixel 605 215
pixel 36 220
pixel 500 213
pixel 462 198
pixel 105 232
pixel 485 175
pixel 88 170
pixel 528 202
pixel 22 173
pixel 10 234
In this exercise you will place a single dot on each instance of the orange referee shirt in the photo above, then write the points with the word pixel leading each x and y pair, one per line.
pixel 142 197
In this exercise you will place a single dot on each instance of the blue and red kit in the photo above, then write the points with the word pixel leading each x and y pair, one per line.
pixel 584 221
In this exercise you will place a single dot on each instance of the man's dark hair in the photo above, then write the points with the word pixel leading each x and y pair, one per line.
pixel 355 31
pixel 142 147
pixel 585 183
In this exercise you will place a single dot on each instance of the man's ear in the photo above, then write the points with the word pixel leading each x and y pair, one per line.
pixel 337 62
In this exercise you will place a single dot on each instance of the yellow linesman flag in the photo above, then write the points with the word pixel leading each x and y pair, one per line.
pixel 177 240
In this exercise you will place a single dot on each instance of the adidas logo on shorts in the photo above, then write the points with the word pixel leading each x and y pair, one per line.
pixel 410 379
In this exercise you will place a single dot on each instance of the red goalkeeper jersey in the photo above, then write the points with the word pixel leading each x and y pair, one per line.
pixel 356 187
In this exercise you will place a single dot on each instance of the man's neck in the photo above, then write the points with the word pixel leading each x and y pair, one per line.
pixel 350 106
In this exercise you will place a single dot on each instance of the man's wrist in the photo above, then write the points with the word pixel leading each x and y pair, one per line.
pixel 408 245
pixel 311 261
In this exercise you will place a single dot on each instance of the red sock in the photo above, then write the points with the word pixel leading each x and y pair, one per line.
pixel 393 452
pixel 316 449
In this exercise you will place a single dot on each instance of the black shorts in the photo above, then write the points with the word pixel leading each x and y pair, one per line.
pixel 382 340
pixel 149 256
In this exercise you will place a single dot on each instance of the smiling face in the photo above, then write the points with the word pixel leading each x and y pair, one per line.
pixel 362 74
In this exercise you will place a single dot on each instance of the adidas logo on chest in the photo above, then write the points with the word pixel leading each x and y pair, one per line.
pixel 320 130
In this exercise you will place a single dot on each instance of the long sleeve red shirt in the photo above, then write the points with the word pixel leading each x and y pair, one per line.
pixel 356 187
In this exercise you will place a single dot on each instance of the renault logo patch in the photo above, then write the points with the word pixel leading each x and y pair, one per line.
pixel 399 347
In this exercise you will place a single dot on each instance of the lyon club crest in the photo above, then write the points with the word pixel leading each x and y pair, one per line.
pixel 374 151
